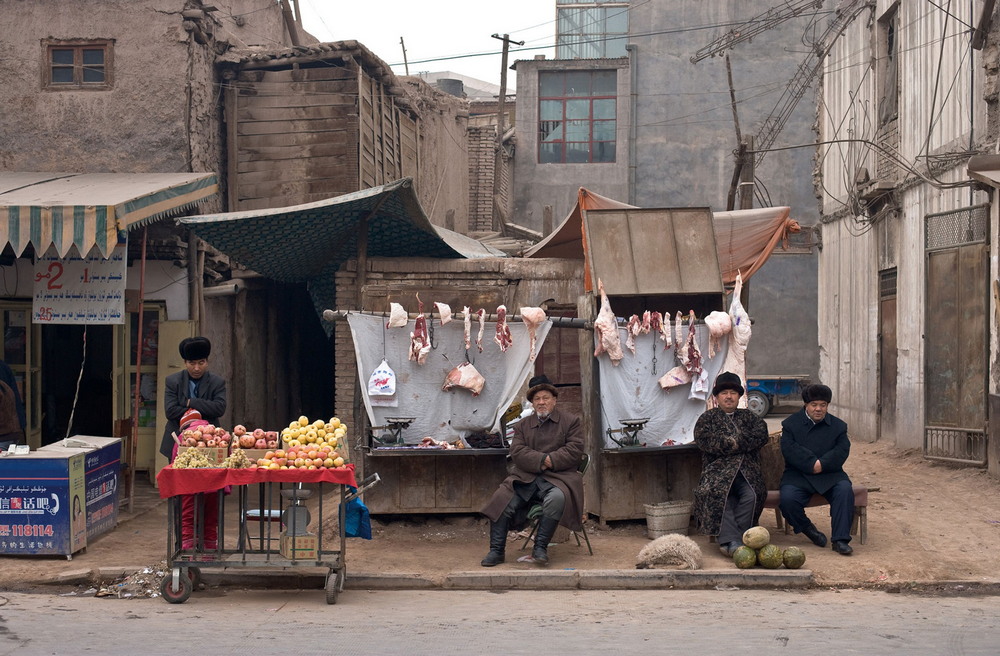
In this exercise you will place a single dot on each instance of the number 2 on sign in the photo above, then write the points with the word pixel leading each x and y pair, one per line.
pixel 55 272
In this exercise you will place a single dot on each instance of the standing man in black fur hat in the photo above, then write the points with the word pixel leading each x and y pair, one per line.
pixel 546 450
pixel 195 388
pixel 731 493
pixel 815 446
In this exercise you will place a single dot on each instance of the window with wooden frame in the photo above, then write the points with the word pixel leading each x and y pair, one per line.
pixel 78 65
pixel 577 116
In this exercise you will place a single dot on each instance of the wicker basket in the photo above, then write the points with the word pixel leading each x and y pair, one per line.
pixel 667 517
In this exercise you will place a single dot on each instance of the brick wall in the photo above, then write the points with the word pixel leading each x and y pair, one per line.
pixel 481 142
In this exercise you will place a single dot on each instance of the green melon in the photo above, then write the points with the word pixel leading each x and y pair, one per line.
pixel 745 557
pixel 756 537
pixel 793 557
pixel 770 556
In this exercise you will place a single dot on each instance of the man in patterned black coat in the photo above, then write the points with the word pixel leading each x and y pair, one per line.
pixel 731 493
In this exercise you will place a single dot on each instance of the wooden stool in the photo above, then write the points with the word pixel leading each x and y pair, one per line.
pixel 859 525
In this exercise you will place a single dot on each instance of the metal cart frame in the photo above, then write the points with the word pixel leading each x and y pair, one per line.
pixel 186 565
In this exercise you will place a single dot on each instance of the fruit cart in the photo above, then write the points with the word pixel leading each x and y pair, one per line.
pixel 272 519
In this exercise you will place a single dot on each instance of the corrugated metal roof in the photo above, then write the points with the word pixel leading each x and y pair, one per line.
pixel 90 209
pixel 308 243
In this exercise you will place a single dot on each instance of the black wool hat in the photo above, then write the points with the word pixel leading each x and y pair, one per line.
pixel 195 348
pixel 728 381
pixel 817 393
pixel 539 383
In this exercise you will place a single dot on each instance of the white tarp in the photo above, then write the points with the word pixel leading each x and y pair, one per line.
pixel 632 391
pixel 439 414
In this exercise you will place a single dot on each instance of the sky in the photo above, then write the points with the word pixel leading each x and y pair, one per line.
pixel 439 35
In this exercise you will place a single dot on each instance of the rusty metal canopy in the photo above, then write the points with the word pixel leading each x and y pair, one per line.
pixel 653 251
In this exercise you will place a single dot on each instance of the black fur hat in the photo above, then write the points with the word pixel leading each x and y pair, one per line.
pixel 539 383
pixel 195 348
pixel 728 381
pixel 817 393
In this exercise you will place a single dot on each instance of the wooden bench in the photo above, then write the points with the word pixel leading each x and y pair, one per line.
pixel 859 525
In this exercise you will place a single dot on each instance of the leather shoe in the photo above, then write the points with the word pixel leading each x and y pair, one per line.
pixel 815 535
pixel 842 548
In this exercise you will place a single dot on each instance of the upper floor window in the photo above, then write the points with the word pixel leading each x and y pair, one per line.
pixel 591 30
pixel 577 116
pixel 83 64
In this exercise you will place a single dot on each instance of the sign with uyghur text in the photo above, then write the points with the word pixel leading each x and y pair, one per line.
pixel 79 290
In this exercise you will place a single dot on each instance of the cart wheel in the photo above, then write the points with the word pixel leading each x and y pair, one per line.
pixel 332 583
pixel 181 594
pixel 758 403
pixel 194 573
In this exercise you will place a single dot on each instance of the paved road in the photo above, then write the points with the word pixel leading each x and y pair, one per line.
pixel 222 622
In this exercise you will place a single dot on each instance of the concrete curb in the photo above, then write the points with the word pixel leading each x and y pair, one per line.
pixel 648 579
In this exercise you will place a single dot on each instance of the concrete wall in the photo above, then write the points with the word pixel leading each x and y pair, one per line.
pixel 683 142
pixel 141 124
pixel 537 185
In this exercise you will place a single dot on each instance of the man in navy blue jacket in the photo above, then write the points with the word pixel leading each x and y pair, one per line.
pixel 815 446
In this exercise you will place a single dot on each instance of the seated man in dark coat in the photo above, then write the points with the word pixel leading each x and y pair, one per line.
pixel 815 446
pixel 731 493
pixel 546 451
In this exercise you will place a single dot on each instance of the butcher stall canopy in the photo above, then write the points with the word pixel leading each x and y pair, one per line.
pixel 308 243
pixel 745 239
pixel 91 209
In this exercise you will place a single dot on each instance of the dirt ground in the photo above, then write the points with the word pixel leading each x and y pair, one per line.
pixel 928 523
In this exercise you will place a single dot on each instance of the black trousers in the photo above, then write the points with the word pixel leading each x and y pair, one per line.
pixel 738 514
pixel 841 497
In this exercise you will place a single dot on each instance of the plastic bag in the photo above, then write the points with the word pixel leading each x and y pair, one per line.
pixel 382 385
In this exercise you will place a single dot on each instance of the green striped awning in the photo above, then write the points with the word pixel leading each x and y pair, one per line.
pixel 91 209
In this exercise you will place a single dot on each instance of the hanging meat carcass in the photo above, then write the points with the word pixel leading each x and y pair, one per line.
pixel 736 356
pixel 481 314
pixel 661 326
pixel 420 343
pixel 690 354
pixel 532 318
pixel 397 316
pixel 444 311
pixel 677 376
pixel 719 325
pixel 503 338
pixel 468 327
pixel 606 330
pixel 633 329
pixel 465 376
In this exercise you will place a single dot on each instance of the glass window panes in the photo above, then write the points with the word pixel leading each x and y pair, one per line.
pixel 604 108
pixel 578 131
pixel 550 153
pixel 604 130
pixel 571 111
pixel 577 109
pixel 550 110
pixel 578 83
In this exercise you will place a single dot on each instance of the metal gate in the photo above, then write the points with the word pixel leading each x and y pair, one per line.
pixel 956 335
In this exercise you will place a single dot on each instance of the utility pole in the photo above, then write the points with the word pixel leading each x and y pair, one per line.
pixel 406 64
pixel 498 219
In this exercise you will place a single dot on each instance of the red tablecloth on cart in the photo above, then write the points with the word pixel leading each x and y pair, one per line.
pixel 173 482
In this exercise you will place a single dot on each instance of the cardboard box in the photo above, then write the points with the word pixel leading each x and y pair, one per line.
pixel 215 454
pixel 256 454
pixel 299 547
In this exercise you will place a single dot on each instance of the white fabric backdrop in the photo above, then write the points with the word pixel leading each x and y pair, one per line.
pixel 439 414
pixel 631 390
